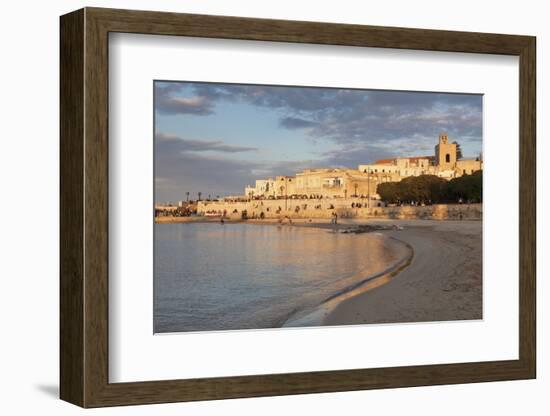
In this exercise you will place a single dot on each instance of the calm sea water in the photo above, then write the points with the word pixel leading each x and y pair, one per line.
pixel 210 276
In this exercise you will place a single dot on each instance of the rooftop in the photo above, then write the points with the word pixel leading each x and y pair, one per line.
pixel 392 160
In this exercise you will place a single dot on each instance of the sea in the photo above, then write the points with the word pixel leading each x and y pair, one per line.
pixel 237 276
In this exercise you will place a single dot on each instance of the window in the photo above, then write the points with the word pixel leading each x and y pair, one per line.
pixel 447 158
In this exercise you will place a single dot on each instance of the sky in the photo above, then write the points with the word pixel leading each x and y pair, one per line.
pixel 216 138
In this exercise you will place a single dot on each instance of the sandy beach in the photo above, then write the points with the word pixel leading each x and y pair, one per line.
pixel 442 282
pixel 439 280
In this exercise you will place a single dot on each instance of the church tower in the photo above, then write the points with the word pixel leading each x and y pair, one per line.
pixel 445 153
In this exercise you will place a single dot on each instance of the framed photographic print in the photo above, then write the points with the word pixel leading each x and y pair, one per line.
pixel 255 207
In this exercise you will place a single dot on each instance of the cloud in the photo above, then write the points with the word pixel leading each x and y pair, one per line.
pixel 380 117
pixel 178 144
pixel 194 166
pixel 295 123
pixel 180 167
pixel 351 157
pixel 168 102
pixel 187 172
pixel 350 115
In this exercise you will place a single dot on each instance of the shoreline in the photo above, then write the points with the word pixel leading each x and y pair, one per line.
pixel 443 281
pixel 315 316
pixel 440 280
pixel 306 210
pixel 316 222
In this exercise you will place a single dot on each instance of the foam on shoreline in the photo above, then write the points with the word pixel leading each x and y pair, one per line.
pixel 316 316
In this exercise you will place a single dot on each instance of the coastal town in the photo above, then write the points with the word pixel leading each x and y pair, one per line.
pixel 400 187
pixel 393 213
pixel 287 206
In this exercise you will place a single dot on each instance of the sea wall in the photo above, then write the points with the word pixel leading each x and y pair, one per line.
pixel 343 208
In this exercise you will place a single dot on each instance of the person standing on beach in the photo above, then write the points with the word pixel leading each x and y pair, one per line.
pixel 335 218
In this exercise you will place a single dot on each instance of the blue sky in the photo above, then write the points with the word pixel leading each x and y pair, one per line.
pixel 216 138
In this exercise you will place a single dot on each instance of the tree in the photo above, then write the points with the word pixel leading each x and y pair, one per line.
pixel 458 151
pixel 430 188
pixel 187 195
pixel 199 194
pixel 389 192
pixel 423 188
pixel 466 187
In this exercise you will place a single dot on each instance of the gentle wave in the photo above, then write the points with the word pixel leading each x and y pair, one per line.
pixel 316 315
pixel 212 277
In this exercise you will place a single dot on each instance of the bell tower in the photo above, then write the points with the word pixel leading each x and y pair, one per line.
pixel 445 153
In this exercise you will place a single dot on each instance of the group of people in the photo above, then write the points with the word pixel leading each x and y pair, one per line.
pixel 334 219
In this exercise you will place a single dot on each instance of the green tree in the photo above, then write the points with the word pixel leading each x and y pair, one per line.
pixel 430 188
pixel 389 192
pixel 467 187
pixel 423 188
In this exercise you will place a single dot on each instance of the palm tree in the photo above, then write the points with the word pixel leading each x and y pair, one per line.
pixel 187 194
pixel 199 193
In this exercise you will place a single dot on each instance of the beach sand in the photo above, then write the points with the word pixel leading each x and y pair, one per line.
pixel 442 282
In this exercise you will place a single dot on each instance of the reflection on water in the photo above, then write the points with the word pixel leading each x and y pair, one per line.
pixel 236 276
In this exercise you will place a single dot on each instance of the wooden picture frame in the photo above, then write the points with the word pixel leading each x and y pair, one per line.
pixel 84 207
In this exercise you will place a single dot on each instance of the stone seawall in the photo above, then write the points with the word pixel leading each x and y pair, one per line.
pixel 305 209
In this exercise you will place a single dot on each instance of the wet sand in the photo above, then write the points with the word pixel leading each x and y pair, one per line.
pixel 442 282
